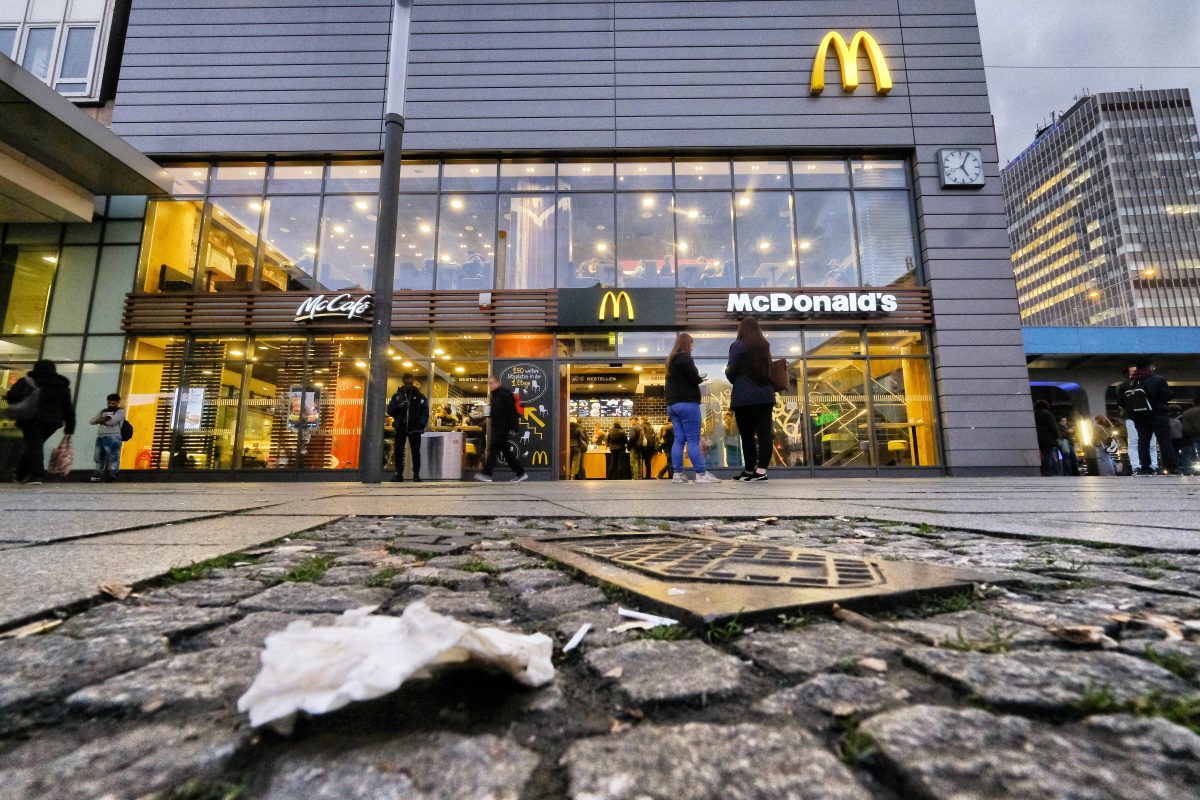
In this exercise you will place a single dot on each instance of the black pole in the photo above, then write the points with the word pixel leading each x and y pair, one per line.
pixel 371 451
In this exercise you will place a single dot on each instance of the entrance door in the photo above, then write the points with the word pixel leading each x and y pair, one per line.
pixel 602 404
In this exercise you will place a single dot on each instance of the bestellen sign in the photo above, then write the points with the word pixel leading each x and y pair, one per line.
pixel 783 303
pixel 341 305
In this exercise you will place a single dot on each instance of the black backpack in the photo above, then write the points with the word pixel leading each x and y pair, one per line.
pixel 126 430
pixel 1136 401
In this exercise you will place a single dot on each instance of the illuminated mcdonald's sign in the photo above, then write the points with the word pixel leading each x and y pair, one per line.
pixel 614 300
pixel 847 55
pixel 539 458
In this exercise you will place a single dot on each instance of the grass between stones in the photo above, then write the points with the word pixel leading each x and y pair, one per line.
pixel 479 565
pixel 208 790
pixel 199 569
pixel 667 633
pixel 382 579
pixel 1183 711
pixel 309 570
pixel 997 641
pixel 1181 665
pixel 854 746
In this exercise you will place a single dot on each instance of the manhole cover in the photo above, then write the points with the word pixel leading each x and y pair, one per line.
pixel 708 579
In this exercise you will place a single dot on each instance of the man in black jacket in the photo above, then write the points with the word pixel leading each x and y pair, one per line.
pixel 54 411
pixel 1145 395
pixel 1048 434
pixel 409 411
pixel 504 426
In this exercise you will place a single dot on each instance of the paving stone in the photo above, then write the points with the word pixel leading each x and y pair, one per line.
pixel 253 629
pixel 355 575
pixel 530 581
pixel 948 754
pixel 836 695
pixel 43 667
pixel 213 592
pixel 441 576
pixel 810 650
pixel 311 598
pixel 500 559
pixel 204 679
pixel 974 628
pixel 172 621
pixel 463 605
pixel 133 764
pixel 433 542
pixel 563 600
pixel 661 672
pixel 1047 680
pixel 701 761
pixel 425 766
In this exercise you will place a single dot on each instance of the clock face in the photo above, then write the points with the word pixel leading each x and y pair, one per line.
pixel 962 168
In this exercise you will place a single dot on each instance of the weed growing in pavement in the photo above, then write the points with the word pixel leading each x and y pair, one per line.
pixel 666 633
pixel 208 790
pixel 1153 562
pixel 529 526
pixel 854 746
pixel 479 565
pixel 998 641
pixel 847 664
pixel 931 605
pixel 801 620
pixel 1183 711
pixel 382 579
pixel 309 570
pixel 615 593
pixel 1181 665
pixel 724 634
pixel 1097 700
pixel 200 569
pixel 442 523
pixel 924 529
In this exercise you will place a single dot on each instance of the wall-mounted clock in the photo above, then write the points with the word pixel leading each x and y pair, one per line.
pixel 961 167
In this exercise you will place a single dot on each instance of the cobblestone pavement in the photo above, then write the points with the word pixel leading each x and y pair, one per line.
pixel 1079 680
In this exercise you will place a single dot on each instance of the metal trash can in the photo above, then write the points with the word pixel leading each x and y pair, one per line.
pixel 442 455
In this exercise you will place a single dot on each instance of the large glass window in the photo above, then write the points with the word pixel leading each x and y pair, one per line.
pixel 170 244
pixel 26 277
pixel 415 223
pixel 837 409
pixel 704 240
pixel 825 239
pixel 290 246
pixel 645 239
pixel 764 239
pixel 39 52
pixel 229 244
pixel 886 239
pixel 466 241
pixel 526 239
pixel 585 240
pixel 347 249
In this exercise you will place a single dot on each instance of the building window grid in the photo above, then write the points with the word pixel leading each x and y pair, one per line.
pixel 62 27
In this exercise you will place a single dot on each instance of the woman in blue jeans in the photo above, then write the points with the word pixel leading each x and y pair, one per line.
pixel 683 409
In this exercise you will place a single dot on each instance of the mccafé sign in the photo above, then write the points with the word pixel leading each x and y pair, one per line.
pixel 319 306
pixel 784 303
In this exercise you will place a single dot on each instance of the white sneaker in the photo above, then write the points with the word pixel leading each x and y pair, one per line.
pixel 706 477
pixel 520 478
pixel 678 477
pixel 479 476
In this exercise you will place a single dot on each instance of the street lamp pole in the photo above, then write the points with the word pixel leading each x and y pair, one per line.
pixel 371 450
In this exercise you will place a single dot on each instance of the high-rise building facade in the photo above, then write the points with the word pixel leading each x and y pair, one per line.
pixel 1104 214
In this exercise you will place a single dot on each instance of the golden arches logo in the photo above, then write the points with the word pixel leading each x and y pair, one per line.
pixel 614 300
pixel 847 55
pixel 539 457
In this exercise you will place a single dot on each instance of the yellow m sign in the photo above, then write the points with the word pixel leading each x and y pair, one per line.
pixel 539 458
pixel 847 55
pixel 614 300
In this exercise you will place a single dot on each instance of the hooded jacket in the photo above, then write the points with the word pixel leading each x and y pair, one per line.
pixel 54 403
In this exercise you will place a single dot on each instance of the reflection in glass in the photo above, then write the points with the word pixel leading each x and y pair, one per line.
pixel 585 240
pixel 362 178
pixel 290 231
pixel 585 175
pixel 825 239
pixel 8 37
pixel 170 243
pixel 466 238
pixel 633 175
pixel 704 248
pixel 469 176
pixel 886 238
pixel 764 237
pixel 645 239
pixel 820 174
pixel 833 343
pixel 76 58
pixel 837 409
pixel 26 277
pixel 892 343
pixel 295 179
pixel 230 242
pixel 656 346
pixel 522 176
pixel 419 176
pixel 761 175
pixel 238 179
pixel 702 175
pixel 527 237
pixel 347 242
pixel 416 219
pixel 189 179
pixel 39 50
pixel 902 405
pixel 879 174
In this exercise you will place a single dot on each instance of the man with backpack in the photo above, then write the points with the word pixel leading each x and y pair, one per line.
pixel 409 411
pixel 109 436
pixel 1144 396
pixel 649 446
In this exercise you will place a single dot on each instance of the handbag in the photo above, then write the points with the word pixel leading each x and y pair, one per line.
pixel 62 458
pixel 780 380
pixel 27 407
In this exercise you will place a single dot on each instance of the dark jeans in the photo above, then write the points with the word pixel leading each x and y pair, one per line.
pixel 1051 461
pixel 754 426
pixel 414 441
pixel 646 457
pixel 502 441
pixel 1160 428
pixel 32 465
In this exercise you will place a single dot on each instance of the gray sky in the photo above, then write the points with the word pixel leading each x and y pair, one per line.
pixel 1153 35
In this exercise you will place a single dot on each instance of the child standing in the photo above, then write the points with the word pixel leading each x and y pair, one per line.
pixel 108 440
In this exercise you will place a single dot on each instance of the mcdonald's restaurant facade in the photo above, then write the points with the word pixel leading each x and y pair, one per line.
pixel 580 181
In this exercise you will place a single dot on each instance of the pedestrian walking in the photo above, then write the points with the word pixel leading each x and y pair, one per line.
pixel 617 442
pixel 577 445
pixel 47 408
pixel 634 448
pixel 409 410
pixel 753 398
pixel 1048 434
pixel 683 409
pixel 1145 395
pixel 666 437
pixel 109 437
pixel 1131 436
pixel 504 428
pixel 649 446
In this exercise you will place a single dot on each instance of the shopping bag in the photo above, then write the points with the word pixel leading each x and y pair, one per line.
pixel 62 458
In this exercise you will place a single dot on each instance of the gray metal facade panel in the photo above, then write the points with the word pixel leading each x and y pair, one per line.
pixel 218 76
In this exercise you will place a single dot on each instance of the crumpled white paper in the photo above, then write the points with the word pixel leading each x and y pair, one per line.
pixel 360 657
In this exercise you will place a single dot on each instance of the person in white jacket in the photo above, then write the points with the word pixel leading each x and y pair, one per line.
pixel 108 440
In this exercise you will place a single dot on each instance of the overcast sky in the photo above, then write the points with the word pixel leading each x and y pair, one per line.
pixel 1153 35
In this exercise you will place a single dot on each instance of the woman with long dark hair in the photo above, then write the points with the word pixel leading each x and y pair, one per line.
pixel 753 398
pixel 683 409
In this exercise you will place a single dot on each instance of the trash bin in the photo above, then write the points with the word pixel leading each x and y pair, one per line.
pixel 442 455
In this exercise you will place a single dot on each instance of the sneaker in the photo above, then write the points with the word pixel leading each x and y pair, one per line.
pixel 757 477
pixel 707 477
pixel 678 477
pixel 479 476
pixel 519 478
pixel 95 479
pixel 744 475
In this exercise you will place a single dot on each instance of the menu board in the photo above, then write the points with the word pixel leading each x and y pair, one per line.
pixel 602 407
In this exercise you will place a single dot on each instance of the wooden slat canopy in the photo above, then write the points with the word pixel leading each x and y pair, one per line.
pixel 531 310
